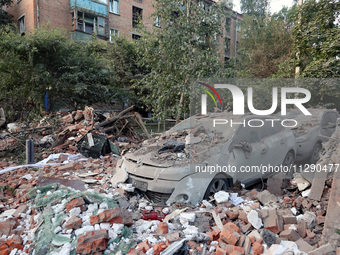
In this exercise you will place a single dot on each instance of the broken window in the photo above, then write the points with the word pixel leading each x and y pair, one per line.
pixel 228 25
pixel 114 33
pixel 157 21
pixel 136 16
pixel 227 46
pixel 89 23
pixel 135 37
pixel 114 6
pixel 22 25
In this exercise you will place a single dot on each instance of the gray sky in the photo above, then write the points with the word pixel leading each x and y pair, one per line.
pixel 275 5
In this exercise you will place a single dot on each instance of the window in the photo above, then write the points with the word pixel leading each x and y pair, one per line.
pixel 157 21
pixel 114 6
pixel 228 25
pixel 22 25
pixel 114 33
pixel 137 15
pixel 135 37
pixel 227 46
pixel 89 23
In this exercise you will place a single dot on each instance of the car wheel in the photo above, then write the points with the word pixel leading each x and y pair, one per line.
pixel 316 153
pixel 220 182
pixel 289 159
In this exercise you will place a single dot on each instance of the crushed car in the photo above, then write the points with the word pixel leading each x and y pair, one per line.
pixel 198 157
pixel 311 131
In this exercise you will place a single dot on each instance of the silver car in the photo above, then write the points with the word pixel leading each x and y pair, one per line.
pixel 210 156
pixel 312 131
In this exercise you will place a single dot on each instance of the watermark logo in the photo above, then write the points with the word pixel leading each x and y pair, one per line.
pixel 239 101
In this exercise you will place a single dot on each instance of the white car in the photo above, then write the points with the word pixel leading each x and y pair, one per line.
pixel 312 131
pixel 196 158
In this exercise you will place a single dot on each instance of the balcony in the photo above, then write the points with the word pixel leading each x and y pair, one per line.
pixel 97 8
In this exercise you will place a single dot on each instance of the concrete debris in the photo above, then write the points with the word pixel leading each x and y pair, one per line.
pixel 43 210
pixel 221 196
pixel 254 220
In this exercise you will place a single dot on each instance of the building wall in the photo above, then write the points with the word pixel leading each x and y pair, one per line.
pixel 55 13
pixel 123 21
pixel 24 8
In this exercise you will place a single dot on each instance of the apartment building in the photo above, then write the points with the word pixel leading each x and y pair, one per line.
pixel 106 18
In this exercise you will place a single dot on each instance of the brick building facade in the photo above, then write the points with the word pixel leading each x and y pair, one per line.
pixel 106 18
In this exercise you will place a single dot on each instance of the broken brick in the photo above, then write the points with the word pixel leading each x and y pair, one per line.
pixel 258 248
pixel 77 202
pixel 74 223
pixel 229 237
pixel 93 241
pixel 163 228
pixel 114 215
pixel 290 235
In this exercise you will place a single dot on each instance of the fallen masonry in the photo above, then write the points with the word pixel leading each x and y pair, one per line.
pixel 74 209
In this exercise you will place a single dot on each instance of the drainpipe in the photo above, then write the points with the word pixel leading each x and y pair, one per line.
pixel 38 15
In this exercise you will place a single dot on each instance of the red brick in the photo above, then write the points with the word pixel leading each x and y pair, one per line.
pixel 74 223
pixel 114 215
pixel 159 247
pixel 258 248
pixel 7 226
pixel 232 214
pixel 220 251
pixel 228 237
pixel 163 228
pixel 271 222
pixel 290 235
pixel 233 226
pixel 93 241
pixel 143 246
pixel 77 202
pixel 239 249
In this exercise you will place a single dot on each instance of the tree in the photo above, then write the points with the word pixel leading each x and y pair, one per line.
pixel 317 39
pixel 257 8
pixel 316 49
pixel 122 57
pixel 72 73
pixel 266 44
pixel 6 19
pixel 185 48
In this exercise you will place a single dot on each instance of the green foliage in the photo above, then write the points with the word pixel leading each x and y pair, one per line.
pixel 6 19
pixel 255 8
pixel 317 39
pixel 265 45
pixel 185 48
pixel 122 57
pixel 72 73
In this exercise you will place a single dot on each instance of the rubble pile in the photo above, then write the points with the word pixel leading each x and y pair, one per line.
pixel 55 219
pixel 66 204
pixel 62 132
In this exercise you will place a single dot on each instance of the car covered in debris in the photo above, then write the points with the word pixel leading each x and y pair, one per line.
pixel 311 131
pixel 205 154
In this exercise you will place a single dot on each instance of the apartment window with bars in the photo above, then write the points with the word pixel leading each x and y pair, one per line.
pixel 114 6
pixel 137 16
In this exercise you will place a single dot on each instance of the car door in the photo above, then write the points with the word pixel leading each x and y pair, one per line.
pixel 274 138
pixel 247 158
